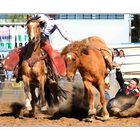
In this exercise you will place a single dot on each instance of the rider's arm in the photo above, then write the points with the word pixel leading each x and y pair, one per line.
pixel 119 78
pixel 61 30
pixel 52 25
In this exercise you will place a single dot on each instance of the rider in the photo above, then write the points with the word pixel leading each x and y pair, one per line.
pixel 128 90
pixel 49 26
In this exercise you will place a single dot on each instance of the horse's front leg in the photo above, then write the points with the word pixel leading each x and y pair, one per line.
pixel 101 88
pixel 89 96
pixel 34 101
pixel 44 105
pixel 27 92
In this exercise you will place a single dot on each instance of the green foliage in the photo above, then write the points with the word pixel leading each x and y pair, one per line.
pixel 17 17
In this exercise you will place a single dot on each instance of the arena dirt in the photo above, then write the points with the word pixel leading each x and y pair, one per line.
pixel 7 118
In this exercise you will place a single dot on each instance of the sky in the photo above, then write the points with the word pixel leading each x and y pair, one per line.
pixel 69 6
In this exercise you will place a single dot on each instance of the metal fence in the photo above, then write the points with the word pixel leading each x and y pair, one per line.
pixel 12 34
pixel 131 67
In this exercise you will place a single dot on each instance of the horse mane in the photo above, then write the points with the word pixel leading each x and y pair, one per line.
pixel 84 46
pixel 76 47
pixel 32 19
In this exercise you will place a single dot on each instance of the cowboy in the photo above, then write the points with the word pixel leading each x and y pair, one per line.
pixel 48 27
pixel 126 95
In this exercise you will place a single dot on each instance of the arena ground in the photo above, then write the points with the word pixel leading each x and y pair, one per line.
pixel 7 117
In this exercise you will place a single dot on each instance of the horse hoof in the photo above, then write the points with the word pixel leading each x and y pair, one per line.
pixel 105 118
pixel 21 117
pixel 91 112
pixel 89 119
pixel 28 105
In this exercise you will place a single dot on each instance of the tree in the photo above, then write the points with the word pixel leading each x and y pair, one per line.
pixel 17 17
pixel 135 32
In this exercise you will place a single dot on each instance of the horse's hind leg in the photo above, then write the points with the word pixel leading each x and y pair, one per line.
pixel 101 88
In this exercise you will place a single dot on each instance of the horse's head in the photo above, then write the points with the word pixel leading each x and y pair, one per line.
pixel 34 30
pixel 71 54
pixel 72 62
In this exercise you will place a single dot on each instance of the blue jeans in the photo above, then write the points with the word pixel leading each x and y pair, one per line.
pixel 107 96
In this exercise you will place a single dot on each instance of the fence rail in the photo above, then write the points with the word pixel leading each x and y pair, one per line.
pixel 132 55
pixel 131 67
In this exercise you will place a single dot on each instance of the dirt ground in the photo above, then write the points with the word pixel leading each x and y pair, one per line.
pixel 8 97
pixel 8 120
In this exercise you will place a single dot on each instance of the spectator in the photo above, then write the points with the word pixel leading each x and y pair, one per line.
pixel 127 90
pixel 121 59
pixel 116 56
pixel 112 74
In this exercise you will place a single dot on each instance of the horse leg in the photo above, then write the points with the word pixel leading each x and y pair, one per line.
pixel 101 88
pixel 44 104
pixel 27 92
pixel 89 96
pixel 34 101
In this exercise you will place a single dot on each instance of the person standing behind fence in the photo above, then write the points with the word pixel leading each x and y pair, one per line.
pixel 121 59
pixel 116 57
pixel 114 86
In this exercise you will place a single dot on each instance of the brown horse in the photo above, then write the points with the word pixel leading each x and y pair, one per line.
pixel 87 56
pixel 33 67
pixel 37 70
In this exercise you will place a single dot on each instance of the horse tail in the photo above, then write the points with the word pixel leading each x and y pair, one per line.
pixel 108 57
pixel 62 94
pixel 55 95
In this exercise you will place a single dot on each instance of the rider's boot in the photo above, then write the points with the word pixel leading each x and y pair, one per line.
pixel 48 48
pixel 19 77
